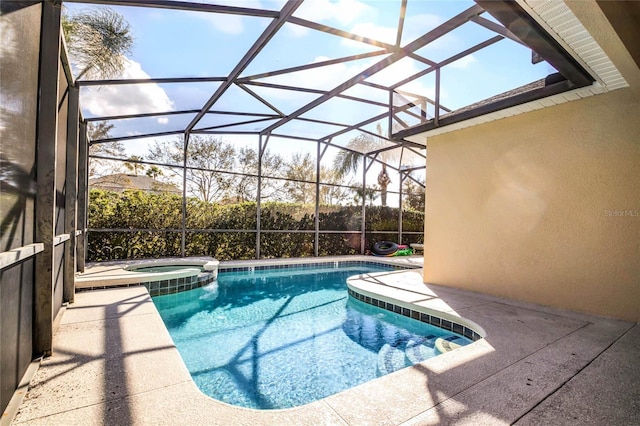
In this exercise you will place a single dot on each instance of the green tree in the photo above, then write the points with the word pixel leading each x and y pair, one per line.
pixel 414 195
pixel 330 191
pixel 206 158
pixel 245 186
pixel 301 167
pixel 98 40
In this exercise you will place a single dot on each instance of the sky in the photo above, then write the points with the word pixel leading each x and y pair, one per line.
pixel 170 43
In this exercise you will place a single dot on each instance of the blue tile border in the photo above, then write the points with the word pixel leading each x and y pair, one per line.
pixel 313 265
pixel 418 315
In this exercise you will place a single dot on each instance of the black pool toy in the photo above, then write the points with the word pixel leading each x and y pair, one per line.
pixel 384 248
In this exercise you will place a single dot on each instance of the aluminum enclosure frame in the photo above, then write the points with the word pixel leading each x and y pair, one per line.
pixel 513 21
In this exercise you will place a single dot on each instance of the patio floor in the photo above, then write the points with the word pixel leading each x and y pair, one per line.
pixel 114 363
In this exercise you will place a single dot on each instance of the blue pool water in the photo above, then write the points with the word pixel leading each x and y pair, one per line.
pixel 286 337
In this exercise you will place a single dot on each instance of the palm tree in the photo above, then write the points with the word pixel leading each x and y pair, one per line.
pixel 154 172
pixel 134 165
pixel 383 180
pixel 98 40
pixel 347 162
pixel 370 194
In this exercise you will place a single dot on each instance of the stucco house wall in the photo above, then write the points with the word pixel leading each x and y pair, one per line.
pixel 545 206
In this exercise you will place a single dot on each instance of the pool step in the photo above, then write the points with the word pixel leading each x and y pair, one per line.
pixel 419 350
pixel 446 345
pixel 393 358
pixel 390 359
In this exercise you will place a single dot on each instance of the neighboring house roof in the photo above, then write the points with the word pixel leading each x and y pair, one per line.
pixel 121 182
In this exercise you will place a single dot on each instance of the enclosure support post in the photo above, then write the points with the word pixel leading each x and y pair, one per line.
pixel 83 194
pixel 183 237
pixel 364 204
pixel 391 112
pixel 47 125
pixel 320 155
pixel 400 200
pixel 259 195
pixel 316 221
pixel 436 115
pixel 71 186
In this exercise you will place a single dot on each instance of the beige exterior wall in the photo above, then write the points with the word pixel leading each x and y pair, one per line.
pixel 545 206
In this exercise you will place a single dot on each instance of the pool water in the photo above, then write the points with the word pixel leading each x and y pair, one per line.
pixel 286 337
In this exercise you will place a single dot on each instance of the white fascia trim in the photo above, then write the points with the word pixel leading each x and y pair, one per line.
pixel 560 22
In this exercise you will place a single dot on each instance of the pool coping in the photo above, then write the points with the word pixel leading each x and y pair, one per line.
pixel 118 333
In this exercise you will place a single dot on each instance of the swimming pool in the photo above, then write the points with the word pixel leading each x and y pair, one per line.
pixel 281 338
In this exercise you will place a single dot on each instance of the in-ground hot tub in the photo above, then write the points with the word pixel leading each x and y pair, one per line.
pixel 159 276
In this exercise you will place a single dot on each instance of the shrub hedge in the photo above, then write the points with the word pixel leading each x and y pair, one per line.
pixel 160 217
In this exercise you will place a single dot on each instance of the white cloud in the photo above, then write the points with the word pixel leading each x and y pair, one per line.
pixel 227 23
pixel 373 31
pixel 126 99
pixel 297 30
pixel 344 12
pixel 163 120
pixel 338 13
pixel 416 25
pixel 463 62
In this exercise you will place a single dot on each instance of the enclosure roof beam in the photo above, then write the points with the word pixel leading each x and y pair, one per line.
pixel 403 11
pixel 301 138
pixel 450 60
pixel 422 59
pixel 425 39
pixel 261 99
pixel 216 132
pixel 340 33
pixel 240 123
pixel 404 94
pixel 411 169
pixel 189 111
pixel 375 85
pixel 86 83
pixel 269 32
pixel 187 6
pixel 309 90
pixel 359 125
pixel 143 115
pixel 313 65
pixel 497 28
pixel 130 137
pixel 315 120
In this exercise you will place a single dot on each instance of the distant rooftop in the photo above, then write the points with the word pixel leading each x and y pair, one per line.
pixel 120 182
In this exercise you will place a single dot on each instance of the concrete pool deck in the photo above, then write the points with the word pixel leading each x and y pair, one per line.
pixel 114 363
